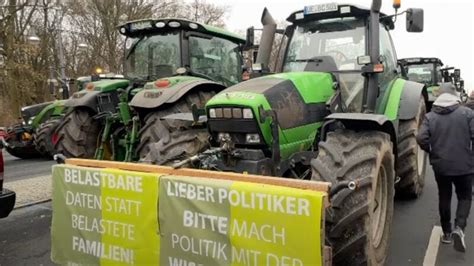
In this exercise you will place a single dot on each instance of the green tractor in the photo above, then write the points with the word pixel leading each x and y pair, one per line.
pixel 338 112
pixel 430 71
pixel 170 65
pixel 34 136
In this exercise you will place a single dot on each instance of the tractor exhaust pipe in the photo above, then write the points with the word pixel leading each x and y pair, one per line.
pixel 374 52
pixel 266 41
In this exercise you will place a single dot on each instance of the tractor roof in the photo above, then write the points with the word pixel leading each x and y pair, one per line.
pixel 420 60
pixel 337 11
pixel 146 26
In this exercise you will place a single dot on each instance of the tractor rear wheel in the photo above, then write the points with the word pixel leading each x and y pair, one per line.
pixel 45 137
pixel 412 160
pixel 78 134
pixel 164 141
pixel 359 221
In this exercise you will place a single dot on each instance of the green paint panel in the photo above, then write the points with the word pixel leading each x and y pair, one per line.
pixel 314 87
pixel 393 102
pixel 54 109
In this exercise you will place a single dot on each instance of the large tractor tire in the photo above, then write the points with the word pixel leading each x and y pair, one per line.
pixel 164 141
pixel 45 137
pixel 359 221
pixel 78 134
pixel 411 158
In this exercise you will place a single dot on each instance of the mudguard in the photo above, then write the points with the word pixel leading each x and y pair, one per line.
pixel 409 99
pixel 361 122
pixel 83 98
pixel 153 98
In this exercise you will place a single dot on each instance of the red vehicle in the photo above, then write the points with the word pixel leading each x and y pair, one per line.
pixel 7 197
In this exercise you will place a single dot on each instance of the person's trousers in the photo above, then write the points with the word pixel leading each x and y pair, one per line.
pixel 463 187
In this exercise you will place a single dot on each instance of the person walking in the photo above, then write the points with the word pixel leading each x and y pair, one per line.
pixel 447 134
pixel 470 101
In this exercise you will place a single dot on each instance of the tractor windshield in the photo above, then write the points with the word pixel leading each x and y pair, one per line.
pixel 216 58
pixel 330 45
pixel 152 57
pixel 423 73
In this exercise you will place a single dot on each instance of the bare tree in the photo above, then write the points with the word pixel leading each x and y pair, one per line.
pixel 26 66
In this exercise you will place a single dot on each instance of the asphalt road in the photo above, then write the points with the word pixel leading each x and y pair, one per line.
pixel 18 169
pixel 25 235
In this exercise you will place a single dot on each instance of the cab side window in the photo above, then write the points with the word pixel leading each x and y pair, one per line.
pixel 390 59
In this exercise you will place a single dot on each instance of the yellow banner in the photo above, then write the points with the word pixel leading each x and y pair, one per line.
pixel 118 217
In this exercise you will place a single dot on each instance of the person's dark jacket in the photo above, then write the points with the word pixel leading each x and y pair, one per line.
pixel 470 104
pixel 447 133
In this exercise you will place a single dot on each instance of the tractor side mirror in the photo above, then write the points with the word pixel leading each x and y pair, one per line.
pixel 414 20
pixel 250 37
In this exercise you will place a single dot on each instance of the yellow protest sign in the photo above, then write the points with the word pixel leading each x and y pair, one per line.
pixel 117 217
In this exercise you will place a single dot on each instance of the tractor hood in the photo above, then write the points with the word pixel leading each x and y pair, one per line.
pixel 87 97
pixel 107 85
pixel 288 93
pixel 169 90
pixel 298 99
pixel 28 112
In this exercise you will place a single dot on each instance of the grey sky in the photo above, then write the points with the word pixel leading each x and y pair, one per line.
pixel 448 30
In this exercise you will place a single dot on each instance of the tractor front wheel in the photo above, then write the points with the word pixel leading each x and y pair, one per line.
pixel 163 141
pixel 412 159
pixel 77 134
pixel 45 137
pixel 359 221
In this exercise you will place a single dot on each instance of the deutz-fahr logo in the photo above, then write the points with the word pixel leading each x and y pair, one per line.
pixel 153 94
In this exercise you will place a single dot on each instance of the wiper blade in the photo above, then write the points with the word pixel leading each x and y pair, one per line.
pixel 317 60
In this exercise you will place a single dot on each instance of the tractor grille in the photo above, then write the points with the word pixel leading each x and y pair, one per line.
pixel 107 103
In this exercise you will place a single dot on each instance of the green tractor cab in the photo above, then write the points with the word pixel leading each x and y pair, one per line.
pixel 430 71
pixel 170 65
pixel 338 112
pixel 209 60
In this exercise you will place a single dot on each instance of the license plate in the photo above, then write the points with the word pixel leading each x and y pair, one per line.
pixel 321 8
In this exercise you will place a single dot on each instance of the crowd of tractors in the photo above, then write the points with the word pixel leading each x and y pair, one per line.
pixel 337 106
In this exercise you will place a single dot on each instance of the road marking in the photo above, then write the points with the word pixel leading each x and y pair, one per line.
pixel 31 191
pixel 433 246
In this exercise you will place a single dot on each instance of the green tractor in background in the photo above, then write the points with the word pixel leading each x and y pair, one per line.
pixel 430 71
pixel 34 136
pixel 338 112
pixel 170 65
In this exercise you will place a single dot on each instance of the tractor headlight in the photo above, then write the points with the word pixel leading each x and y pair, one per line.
pixel 252 138
pixel 236 113
pixel 212 113
pixel 247 113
